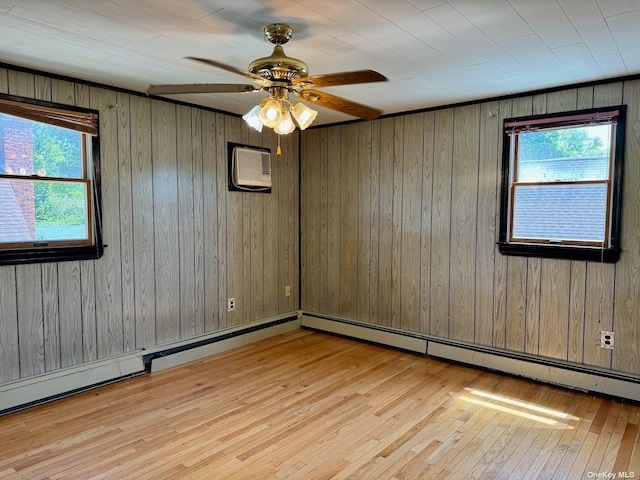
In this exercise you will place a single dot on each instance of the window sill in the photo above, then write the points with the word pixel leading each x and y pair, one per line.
pixel 49 254
pixel 589 254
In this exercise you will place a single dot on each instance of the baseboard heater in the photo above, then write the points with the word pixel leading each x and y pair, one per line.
pixel 556 372
pixel 28 392
pixel 167 356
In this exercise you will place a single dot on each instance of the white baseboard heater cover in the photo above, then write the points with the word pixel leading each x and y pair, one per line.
pixel 553 372
pixel 23 393
pixel 587 380
pixel 48 386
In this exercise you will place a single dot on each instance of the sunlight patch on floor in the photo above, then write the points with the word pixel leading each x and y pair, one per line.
pixel 517 407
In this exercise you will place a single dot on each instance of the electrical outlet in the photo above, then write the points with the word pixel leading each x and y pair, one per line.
pixel 287 291
pixel 231 304
pixel 606 339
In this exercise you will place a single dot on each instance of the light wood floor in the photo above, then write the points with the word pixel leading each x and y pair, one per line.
pixel 306 405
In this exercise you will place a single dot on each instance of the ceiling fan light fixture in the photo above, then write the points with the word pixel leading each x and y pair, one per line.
pixel 286 125
pixel 303 115
pixel 271 113
pixel 252 118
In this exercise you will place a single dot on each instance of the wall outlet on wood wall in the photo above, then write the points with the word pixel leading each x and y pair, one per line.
pixel 231 304
pixel 606 339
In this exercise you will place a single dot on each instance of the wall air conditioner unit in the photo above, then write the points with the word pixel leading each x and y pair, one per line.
pixel 249 168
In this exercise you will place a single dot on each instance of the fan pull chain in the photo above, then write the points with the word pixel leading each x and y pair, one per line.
pixel 278 150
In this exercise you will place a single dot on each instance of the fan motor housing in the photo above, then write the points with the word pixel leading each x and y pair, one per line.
pixel 278 66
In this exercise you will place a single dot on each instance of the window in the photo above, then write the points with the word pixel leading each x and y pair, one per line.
pixel 561 185
pixel 49 182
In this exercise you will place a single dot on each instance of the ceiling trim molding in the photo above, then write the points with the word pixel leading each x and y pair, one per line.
pixel 541 91
pixel 558 88
pixel 89 83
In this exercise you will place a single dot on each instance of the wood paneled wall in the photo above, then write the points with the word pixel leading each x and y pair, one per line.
pixel 179 243
pixel 400 222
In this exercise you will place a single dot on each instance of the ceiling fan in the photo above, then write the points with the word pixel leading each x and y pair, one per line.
pixel 281 76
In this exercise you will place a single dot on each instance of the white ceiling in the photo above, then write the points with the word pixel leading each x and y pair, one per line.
pixel 434 52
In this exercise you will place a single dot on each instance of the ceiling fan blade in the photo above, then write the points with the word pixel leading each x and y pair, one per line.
pixel 342 78
pixel 340 104
pixel 226 67
pixel 201 88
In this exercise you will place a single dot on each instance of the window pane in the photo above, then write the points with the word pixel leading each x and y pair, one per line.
pixel 43 211
pixel 560 212
pixel 33 148
pixel 568 154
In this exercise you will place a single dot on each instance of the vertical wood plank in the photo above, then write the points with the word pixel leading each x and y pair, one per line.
pixel 123 113
pixel 396 223
pixel 42 88
pixel 348 220
pixel 235 245
pixel 256 243
pixel 307 157
pixel 584 98
pixel 214 152
pixel 324 230
pixel 143 236
pixel 441 223
pixel 578 273
pixel 273 290
pixel 30 320
pixel 215 127
pixel 63 91
pixel 364 179
pixel 425 221
pixel 9 346
pixel 333 222
pixel 310 224
pixel 70 292
pixel 600 279
pixel 4 80
pixel 554 309
pixel 292 225
pixel 198 224
pixel 516 304
pixel 186 223
pixel 165 217
pixel 489 164
pixel 386 221
pixel 464 204
pixel 89 316
pixel 108 269
pixel 245 298
pixel 374 227
pixel 51 317
pixel 608 94
pixel 532 341
pixel 413 153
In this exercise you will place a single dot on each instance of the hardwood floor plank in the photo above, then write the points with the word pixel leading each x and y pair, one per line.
pixel 306 405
